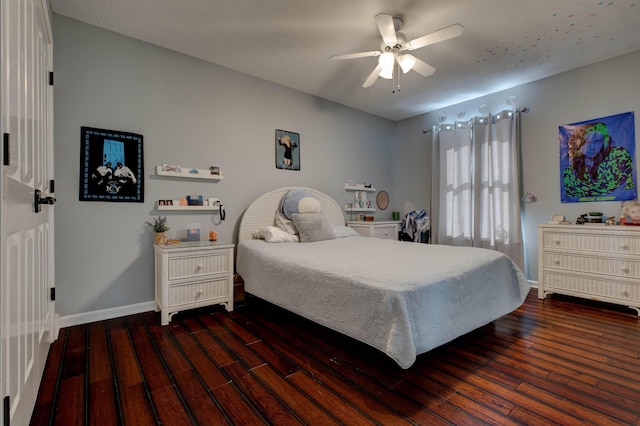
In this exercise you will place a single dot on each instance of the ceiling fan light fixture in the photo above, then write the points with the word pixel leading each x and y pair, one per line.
pixel 406 62
pixel 386 62
pixel 387 72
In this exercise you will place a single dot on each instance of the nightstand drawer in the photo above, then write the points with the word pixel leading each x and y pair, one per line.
pixel 188 294
pixel 385 232
pixel 189 266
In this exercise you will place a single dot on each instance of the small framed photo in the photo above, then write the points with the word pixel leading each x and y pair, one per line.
pixel 169 202
pixel 193 232
pixel 162 202
pixel 557 218
pixel 630 213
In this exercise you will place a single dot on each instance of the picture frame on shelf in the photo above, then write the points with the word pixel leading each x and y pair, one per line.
pixel 361 199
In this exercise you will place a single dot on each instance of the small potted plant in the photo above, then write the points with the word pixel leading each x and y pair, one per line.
pixel 159 226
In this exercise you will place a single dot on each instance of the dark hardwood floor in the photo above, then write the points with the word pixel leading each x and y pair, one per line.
pixel 557 361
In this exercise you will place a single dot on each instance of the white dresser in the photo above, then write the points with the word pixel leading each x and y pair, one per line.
pixel 592 261
pixel 382 229
pixel 191 275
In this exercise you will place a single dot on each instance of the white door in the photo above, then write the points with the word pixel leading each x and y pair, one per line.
pixel 26 237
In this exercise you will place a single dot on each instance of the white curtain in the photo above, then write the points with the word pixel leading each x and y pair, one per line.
pixel 475 194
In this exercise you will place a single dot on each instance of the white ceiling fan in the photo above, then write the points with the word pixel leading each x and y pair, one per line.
pixel 394 50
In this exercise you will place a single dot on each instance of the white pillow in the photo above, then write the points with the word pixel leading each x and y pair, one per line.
pixel 272 234
pixel 313 227
pixel 345 231
pixel 285 224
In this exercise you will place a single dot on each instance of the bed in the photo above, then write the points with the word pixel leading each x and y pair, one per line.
pixel 399 297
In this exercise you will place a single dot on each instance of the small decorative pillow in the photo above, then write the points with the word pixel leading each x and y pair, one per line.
pixel 313 227
pixel 299 201
pixel 285 224
pixel 272 234
pixel 345 231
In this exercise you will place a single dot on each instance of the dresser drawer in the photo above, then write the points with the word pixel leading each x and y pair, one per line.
pixel 600 243
pixel 592 288
pixel 203 291
pixel 385 232
pixel 383 229
pixel 619 267
pixel 197 265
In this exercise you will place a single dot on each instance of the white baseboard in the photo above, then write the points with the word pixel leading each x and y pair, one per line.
pixel 121 311
pixel 103 314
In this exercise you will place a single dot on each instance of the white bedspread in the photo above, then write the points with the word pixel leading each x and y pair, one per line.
pixel 401 298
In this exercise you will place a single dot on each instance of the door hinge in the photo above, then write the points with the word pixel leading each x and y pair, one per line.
pixel 52 294
pixel 50 78
pixel 6 410
pixel 52 186
pixel 6 143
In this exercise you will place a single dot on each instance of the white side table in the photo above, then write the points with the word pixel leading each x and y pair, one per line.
pixel 191 275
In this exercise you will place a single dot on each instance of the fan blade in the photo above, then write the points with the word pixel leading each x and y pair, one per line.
pixel 422 68
pixel 355 55
pixel 436 37
pixel 372 77
pixel 386 28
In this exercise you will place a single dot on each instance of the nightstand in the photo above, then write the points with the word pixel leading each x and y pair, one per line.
pixel 191 275
pixel 385 230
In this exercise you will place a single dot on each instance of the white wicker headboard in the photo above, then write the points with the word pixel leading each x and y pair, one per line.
pixel 262 211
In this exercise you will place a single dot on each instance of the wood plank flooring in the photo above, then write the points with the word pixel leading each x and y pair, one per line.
pixel 558 361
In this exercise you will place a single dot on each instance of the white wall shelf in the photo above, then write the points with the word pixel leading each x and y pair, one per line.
pixel 185 174
pixel 192 208
pixel 356 209
pixel 358 187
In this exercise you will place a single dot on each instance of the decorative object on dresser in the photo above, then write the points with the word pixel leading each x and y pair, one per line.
pixel 590 261
pixel 192 275
pixel 159 226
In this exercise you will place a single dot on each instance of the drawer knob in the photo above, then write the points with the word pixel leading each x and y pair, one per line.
pixel 625 269
pixel 557 242
pixel 199 293
pixel 557 262
pixel 200 266
pixel 625 247
pixel 625 293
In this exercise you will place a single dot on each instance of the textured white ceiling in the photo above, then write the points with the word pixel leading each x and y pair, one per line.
pixel 505 43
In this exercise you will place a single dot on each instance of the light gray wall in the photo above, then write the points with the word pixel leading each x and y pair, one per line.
pixel 598 90
pixel 194 114
pixel 197 114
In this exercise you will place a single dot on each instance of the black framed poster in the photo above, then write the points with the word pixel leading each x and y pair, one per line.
pixel 111 166
pixel 287 150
